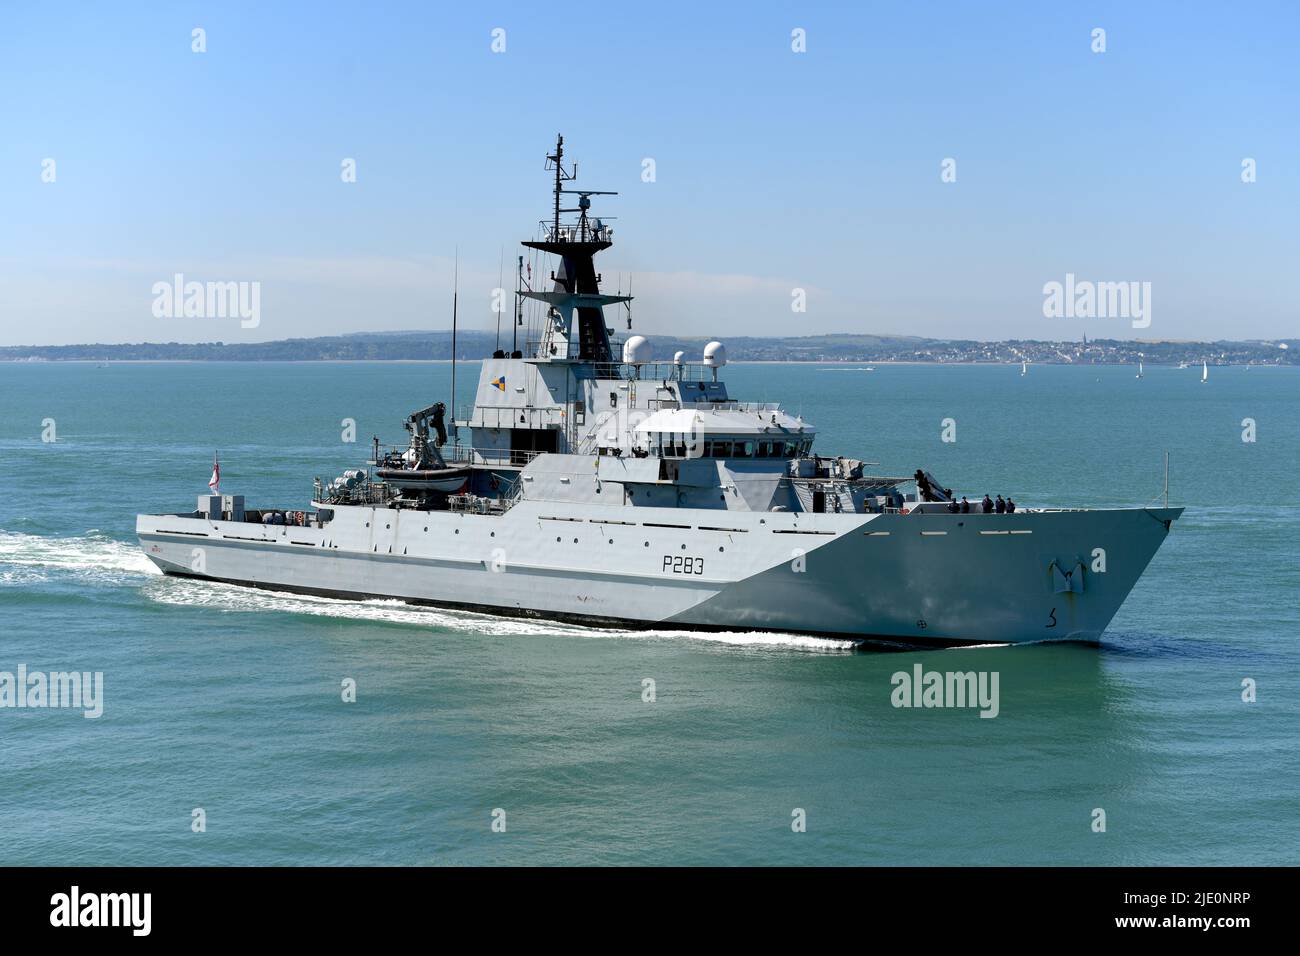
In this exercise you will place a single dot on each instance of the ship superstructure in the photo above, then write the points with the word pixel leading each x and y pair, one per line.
pixel 590 482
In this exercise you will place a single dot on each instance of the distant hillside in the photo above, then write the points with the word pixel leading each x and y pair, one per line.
pixel 376 346
pixel 473 345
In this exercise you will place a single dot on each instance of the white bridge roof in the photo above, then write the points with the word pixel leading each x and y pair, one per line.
pixel 720 420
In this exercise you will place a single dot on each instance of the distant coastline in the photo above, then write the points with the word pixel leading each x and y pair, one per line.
pixel 881 363
pixel 814 349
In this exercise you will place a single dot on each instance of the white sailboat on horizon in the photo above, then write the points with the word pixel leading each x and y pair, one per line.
pixel 1205 372
pixel 1139 374
pixel 1024 368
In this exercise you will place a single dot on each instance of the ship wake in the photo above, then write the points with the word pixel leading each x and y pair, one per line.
pixel 33 558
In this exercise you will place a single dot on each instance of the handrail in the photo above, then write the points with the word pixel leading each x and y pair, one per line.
pixel 731 406
pixel 510 456
pixel 642 371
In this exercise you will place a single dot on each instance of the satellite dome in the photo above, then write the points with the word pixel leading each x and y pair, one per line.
pixel 715 355
pixel 636 350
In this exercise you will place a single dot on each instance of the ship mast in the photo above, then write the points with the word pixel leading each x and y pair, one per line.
pixel 557 158
pixel 455 298
pixel 575 317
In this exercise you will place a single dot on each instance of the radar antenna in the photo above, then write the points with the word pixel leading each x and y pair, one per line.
pixel 584 231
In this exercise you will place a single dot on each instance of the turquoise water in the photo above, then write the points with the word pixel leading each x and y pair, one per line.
pixel 229 700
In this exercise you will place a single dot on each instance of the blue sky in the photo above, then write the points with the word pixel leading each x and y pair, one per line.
pixel 774 169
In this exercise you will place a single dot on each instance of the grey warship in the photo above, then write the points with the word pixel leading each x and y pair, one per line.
pixel 590 483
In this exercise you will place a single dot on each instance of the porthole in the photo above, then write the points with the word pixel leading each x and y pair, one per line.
pixel 722 549
pixel 575 540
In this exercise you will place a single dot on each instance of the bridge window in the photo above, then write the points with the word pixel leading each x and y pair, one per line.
pixel 672 445
pixel 686 445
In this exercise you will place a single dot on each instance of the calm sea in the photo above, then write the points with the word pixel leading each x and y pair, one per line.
pixel 230 701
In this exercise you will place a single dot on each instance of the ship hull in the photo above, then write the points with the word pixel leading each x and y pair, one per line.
pixel 920 578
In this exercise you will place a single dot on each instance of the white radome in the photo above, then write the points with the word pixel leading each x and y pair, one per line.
pixel 636 350
pixel 715 355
